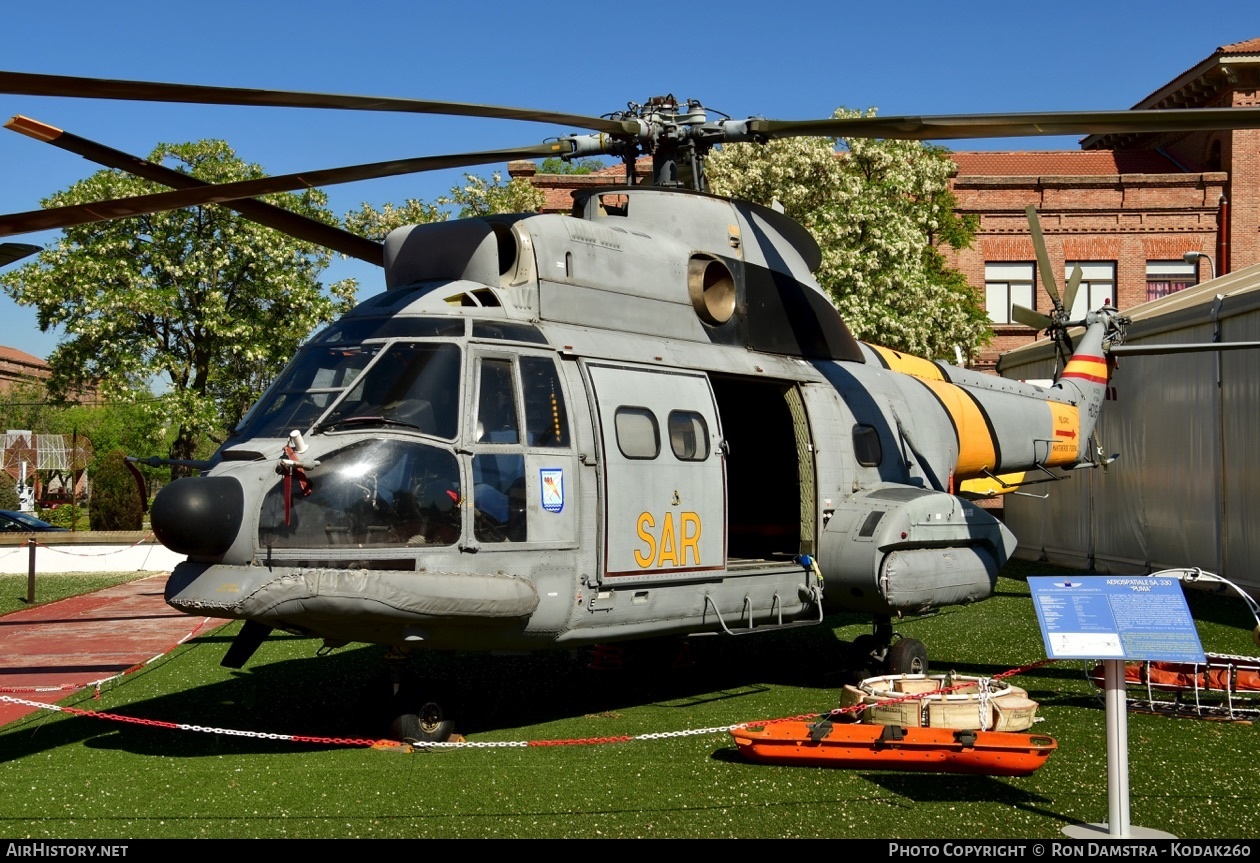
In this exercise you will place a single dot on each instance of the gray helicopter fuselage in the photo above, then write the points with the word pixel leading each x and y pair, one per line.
pixel 644 419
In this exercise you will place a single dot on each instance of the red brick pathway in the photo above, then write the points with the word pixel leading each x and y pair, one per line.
pixel 79 641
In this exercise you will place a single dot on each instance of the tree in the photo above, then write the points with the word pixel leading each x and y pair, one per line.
pixel 116 502
pixel 877 209
pixel 556 165
pixel 478 196
pixel 207 303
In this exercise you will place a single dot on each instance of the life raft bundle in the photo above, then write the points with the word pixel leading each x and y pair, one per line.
pixel 949 701
pixel 893 747
pixel 1223 687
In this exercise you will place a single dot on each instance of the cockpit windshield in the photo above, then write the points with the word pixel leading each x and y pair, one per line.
pixel 413 384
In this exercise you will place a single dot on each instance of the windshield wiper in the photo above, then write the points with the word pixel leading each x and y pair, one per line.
pixel 365 420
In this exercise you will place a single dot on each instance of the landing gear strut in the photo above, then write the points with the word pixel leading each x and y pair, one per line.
pixel 886 652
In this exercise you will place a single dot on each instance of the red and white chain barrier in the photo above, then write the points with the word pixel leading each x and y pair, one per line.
pixel 476 744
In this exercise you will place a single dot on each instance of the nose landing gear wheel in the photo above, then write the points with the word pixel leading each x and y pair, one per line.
pixel 420 718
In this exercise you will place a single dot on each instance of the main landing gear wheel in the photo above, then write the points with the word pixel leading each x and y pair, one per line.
pixel 418 717
pixel 907 656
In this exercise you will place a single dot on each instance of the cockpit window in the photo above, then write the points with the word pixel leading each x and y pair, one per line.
pixel 372 494
pixel 412 384
pixel 507 331
pixel 356 330
pixel 546 419
pixel 496 403
pixel 306 389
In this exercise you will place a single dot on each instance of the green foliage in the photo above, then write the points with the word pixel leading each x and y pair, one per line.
pixel 367 221
pixel 556 165
pixel 878 209
pixel 8 492
pixel 50 587
pixel 478 196
pixel 481 197
pixel 70 517
pixel 116 502
pixel 207 303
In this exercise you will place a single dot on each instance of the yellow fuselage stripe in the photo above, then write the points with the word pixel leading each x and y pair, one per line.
pixel 909 365
pixel 976 452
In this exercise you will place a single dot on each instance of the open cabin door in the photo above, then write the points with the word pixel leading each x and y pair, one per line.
pixel 664 478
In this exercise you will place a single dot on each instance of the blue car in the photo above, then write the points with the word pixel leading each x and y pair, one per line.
pixel 23 522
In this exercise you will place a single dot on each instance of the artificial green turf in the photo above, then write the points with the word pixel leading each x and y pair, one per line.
pixel 50 587
pixel 82 777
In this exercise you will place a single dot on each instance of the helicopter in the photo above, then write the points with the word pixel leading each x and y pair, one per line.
pixel 643 419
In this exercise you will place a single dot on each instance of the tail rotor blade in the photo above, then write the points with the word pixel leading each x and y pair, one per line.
pixel 1043 257
pixel 1073 284
pixel 1030 318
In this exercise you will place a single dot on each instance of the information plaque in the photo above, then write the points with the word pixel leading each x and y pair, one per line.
pixel 1115 617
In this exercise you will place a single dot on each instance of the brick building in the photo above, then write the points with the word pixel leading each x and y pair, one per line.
pixel 1126 208
pixel 18 366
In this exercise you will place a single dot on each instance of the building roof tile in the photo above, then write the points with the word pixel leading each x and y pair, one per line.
pixel 1062 163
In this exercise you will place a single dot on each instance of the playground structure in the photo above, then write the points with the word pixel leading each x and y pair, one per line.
pixel 49 469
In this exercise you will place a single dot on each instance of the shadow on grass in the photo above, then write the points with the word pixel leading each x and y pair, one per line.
pixel 956 788
pixel 345 695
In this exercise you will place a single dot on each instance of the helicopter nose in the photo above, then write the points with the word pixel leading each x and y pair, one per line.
pixel 199 516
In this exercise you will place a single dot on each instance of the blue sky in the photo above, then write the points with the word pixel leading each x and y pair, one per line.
pixel 789 60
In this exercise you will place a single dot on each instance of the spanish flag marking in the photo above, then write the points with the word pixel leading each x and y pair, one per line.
pixel 1092 369
pixel 1065 442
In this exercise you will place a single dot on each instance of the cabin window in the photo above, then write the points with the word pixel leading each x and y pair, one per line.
pixel 496 403
pixel 1007 285
pixel 1168 277
pixel 1097 288
pixel 546 419
pixel 638 435
pixel 688 436
pixel 499 497
pixel 866 446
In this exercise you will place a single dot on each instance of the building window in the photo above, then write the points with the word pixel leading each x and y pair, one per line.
pixel 1168 277
pixel 1007 285
pixel 1097 288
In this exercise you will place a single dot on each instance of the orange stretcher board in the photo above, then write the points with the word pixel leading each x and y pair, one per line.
pixel 891 747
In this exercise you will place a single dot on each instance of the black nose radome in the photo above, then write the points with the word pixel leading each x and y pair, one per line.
pixel 199 516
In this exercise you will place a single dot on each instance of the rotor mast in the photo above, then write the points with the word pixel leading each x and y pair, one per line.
pixel 678 137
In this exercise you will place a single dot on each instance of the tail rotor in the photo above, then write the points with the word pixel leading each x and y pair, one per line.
pixel 1057 322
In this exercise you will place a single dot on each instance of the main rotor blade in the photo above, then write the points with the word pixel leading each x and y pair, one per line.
pixel 1043 257
pixel 11 252
pixel 293 224
pixel 34 84
pixel 961 126
pixel 1029 317
pixel 100 211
